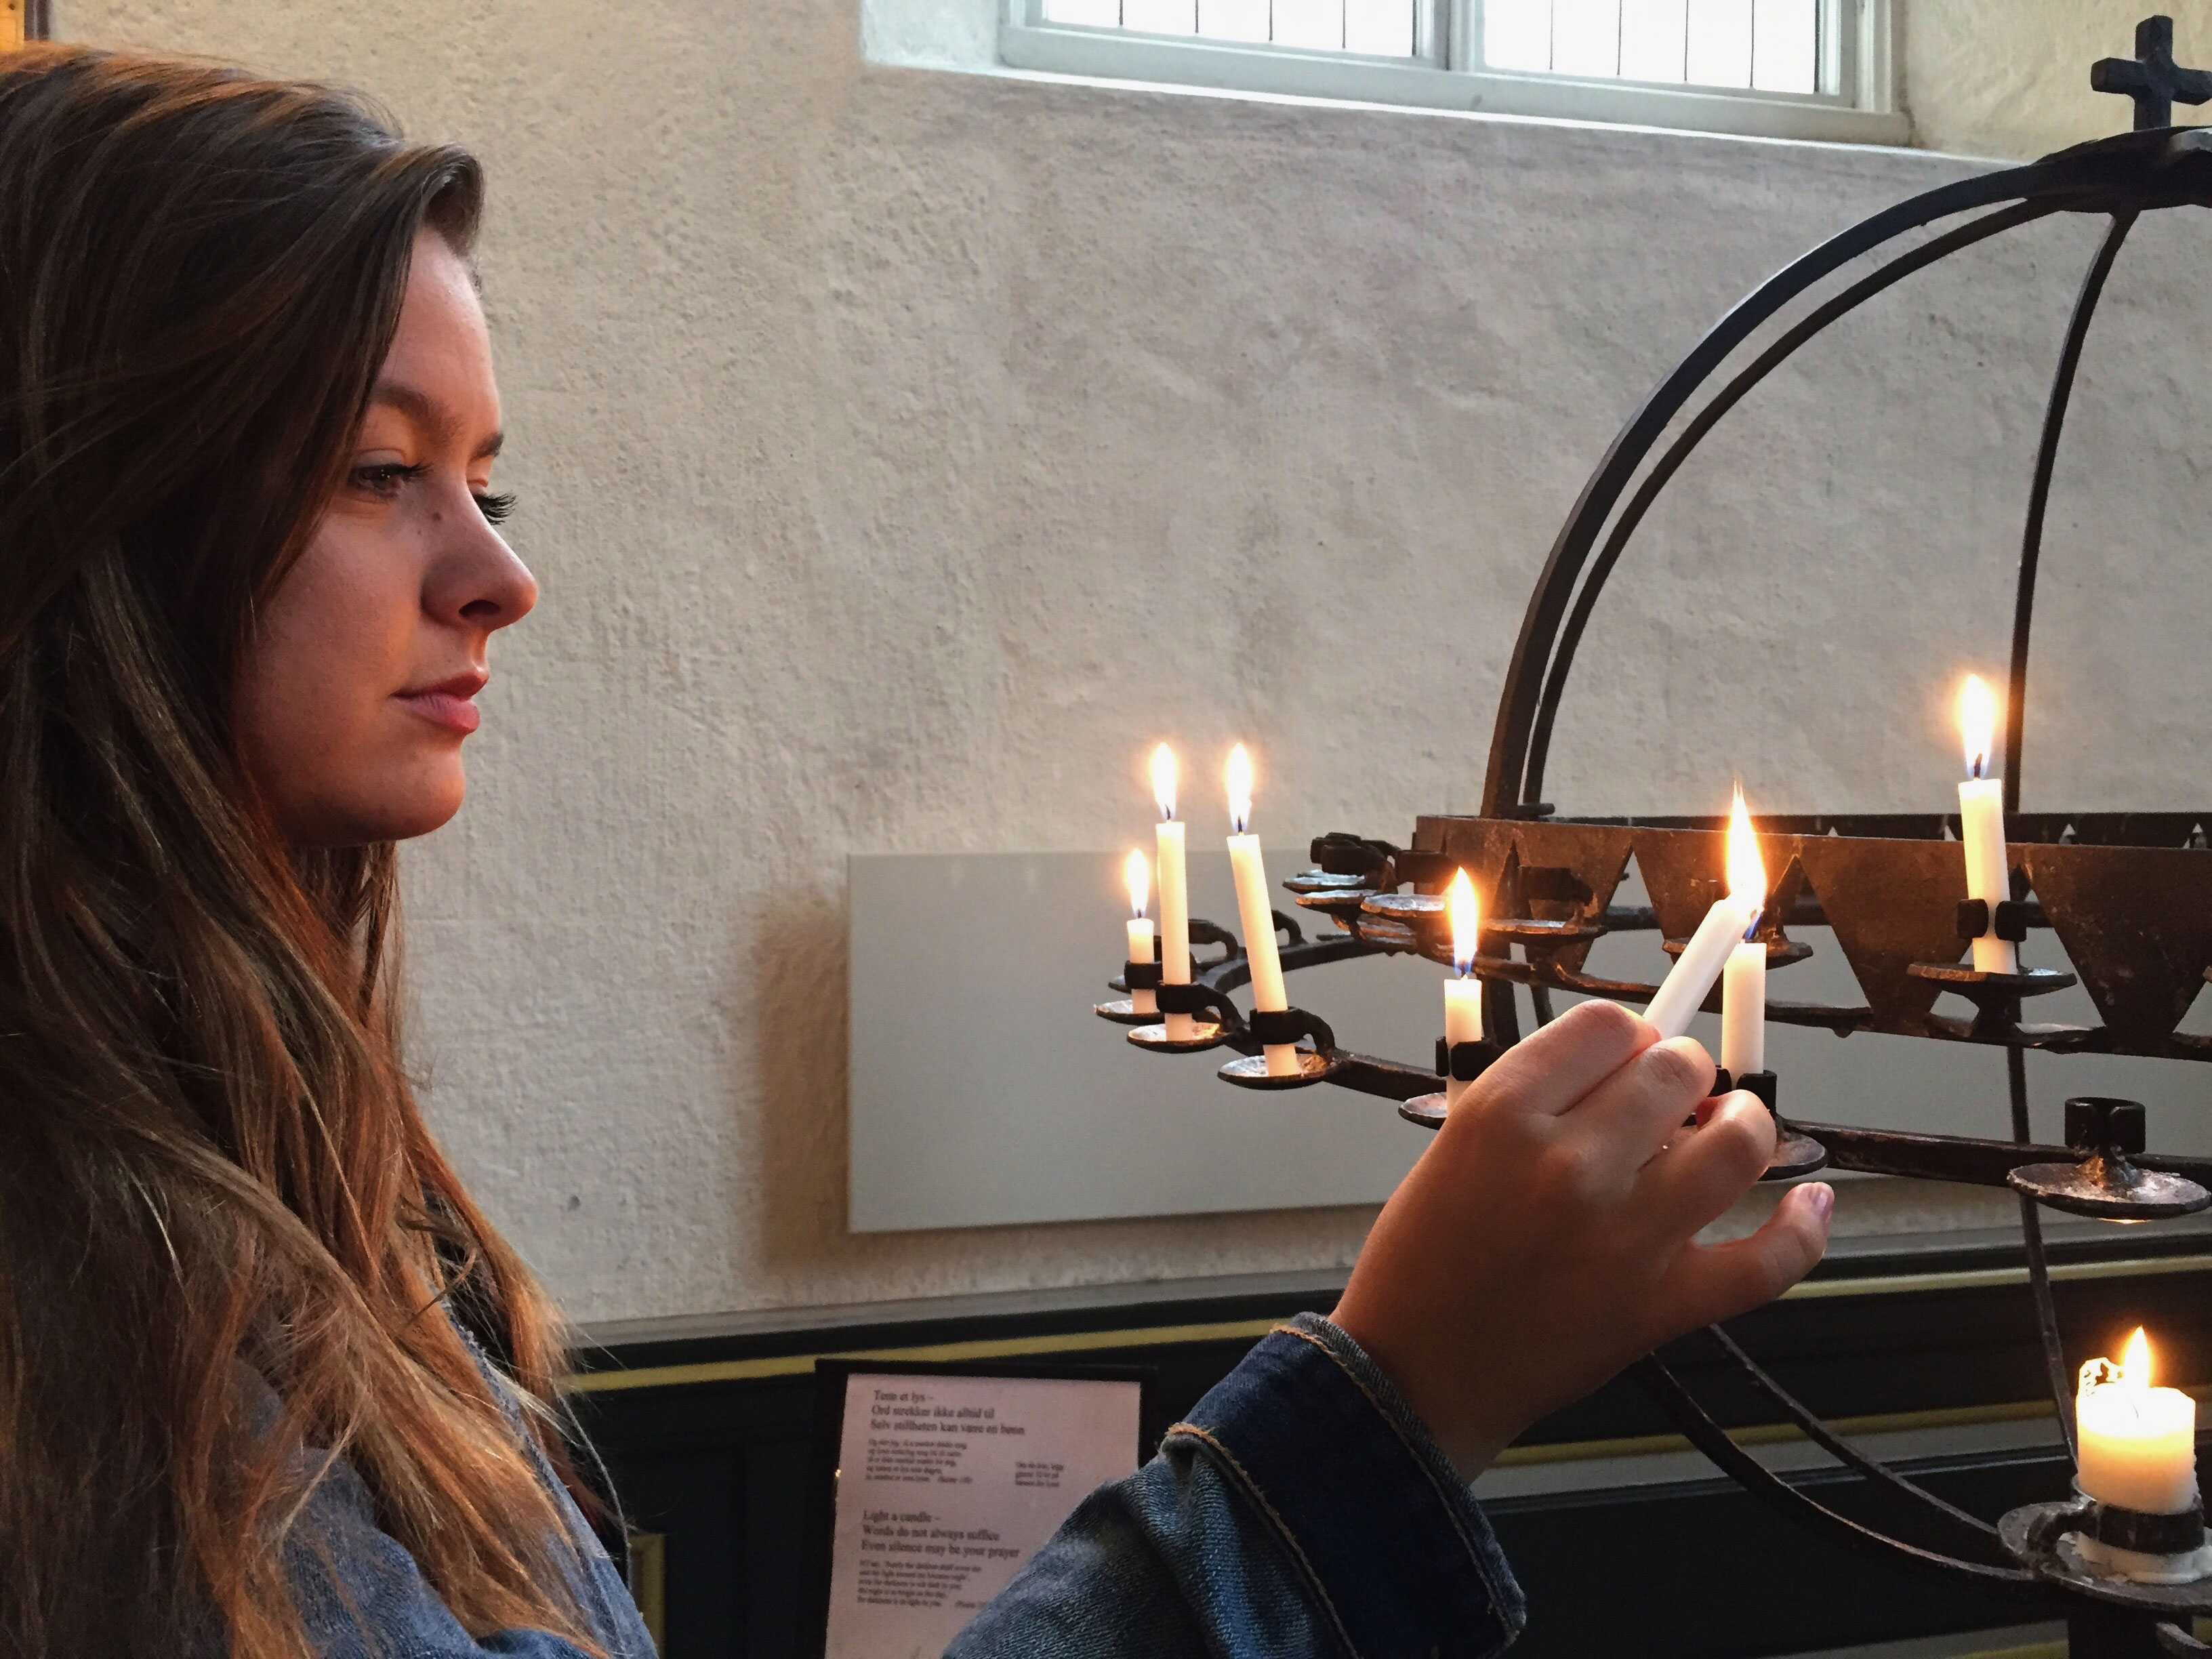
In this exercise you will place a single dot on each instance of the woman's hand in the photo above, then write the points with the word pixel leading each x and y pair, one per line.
pixel 1544 1240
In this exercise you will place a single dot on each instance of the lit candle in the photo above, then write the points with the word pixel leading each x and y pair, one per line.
pixel 1981 824
pixel 1462 994
pixel 1141 999
pixel 1175 890
pixel 1743 981
pixel 1682 992
pixel 1258 913
pixel 2138 1443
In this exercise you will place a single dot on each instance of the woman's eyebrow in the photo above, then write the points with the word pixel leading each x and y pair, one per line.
pixel 436 422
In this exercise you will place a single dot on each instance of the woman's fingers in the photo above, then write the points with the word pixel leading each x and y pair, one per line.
pixel 1553 1070
pixel 1643 1104
pixel 1708 1283
pixel 1703 1171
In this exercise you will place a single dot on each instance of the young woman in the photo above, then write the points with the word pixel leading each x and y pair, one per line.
pixel 271 1385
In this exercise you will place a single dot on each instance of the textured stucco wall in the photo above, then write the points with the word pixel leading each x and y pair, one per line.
pixel 2012 79
pixel 901 452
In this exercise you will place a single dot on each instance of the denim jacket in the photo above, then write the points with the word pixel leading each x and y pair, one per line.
pixel 1301 1512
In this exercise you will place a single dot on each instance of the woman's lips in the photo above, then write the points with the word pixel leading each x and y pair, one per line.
pixel 451 703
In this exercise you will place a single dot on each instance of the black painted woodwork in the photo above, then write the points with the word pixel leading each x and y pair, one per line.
pixel 720 1468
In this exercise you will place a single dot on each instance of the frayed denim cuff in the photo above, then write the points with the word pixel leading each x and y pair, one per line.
pixel 1384 1532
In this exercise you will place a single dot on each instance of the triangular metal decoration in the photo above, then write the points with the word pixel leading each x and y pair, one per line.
pixel 1480 846
pixel 1888 912
pixel 2137 923
pixel 1682 871
pixel 1592 858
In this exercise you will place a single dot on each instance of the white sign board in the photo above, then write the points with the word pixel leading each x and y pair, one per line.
pixel 946 1484
pixel 985 1093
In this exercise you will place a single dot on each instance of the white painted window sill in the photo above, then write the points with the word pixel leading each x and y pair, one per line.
pixel 1101 55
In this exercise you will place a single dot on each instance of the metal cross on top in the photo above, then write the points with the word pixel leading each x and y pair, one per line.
pixel 2151 78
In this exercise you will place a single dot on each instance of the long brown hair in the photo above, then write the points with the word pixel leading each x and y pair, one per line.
pixel 228 1246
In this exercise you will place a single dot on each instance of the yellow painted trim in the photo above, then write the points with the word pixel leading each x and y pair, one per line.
pixel 1772 1434
pixel 648 1584
pixel 1162 1336
pixel 11 24
pixel 1981 1277
pixel 1012 1347
pixel 2032 1651
pixel 1777 1434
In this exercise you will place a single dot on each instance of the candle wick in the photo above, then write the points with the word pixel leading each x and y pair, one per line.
pixel 1751 931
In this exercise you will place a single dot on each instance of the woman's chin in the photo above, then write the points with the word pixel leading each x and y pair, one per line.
pixel 400 813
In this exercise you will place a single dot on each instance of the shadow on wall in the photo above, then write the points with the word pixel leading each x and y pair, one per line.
pixel 797 1006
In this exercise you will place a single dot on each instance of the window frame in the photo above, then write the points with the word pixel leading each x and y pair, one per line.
pixel 1860 108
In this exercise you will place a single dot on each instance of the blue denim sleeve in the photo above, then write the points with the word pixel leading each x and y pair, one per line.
pixel 1301 1512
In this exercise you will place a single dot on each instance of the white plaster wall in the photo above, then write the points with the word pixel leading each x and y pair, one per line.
pixel 2012 78
pixel 902 452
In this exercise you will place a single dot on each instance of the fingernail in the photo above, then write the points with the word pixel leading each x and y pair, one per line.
pixel 1822 1197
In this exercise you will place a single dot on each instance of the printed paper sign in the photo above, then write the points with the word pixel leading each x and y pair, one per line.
pixel 946 1484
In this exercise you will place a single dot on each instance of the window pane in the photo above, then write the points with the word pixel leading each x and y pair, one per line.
pixel 1233 19
pixel 1310 23
pixel 1653 37
pixel 1586 36
pixel 1383 26
pixel 1097 14
pixel 1516 34
pixel 1160 17
pixel 1785 39
pixel 1720 43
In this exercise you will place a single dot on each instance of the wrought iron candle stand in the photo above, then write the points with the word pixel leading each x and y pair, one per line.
pixel 2128 895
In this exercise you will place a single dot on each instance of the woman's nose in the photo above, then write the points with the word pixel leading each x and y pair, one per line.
pixel 476 581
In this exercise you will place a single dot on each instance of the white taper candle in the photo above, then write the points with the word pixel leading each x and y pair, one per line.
pixel 1175 888
pixel 1256 910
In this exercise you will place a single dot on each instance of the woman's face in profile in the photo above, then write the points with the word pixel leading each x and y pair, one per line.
pixel 358 687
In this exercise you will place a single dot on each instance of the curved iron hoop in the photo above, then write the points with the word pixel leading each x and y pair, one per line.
pixel 2038 494
pixel 2129 173
pixel 1509 745
pixel 1562 655
pixel 2038 1266
pixel 1754 1477
pixel 1834 1444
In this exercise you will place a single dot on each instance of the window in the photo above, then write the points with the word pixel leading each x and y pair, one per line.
pixel 1798 68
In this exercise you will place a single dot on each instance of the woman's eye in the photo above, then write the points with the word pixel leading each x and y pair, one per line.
pixel 386 478
pixel 495 508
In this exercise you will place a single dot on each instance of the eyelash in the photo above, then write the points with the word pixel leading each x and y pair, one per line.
pixel 385 481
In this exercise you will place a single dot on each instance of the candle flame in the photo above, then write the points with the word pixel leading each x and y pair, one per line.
pixel 1139 875
pixel 1466 921
pixel 1746 871
pixel 1239 780
pixel 1977 724
pixel 1164 780
pixel 2132 1371
pixel 2134 1361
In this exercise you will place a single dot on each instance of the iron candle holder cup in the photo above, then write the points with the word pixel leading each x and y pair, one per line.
pixel 2160 1564
pixel 2106 1182
pixel 1136 977
pixel 1795 1155
pixel 1193 999
pixel 2140 1548
pixel 1283 1027
pixel 1462 1062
